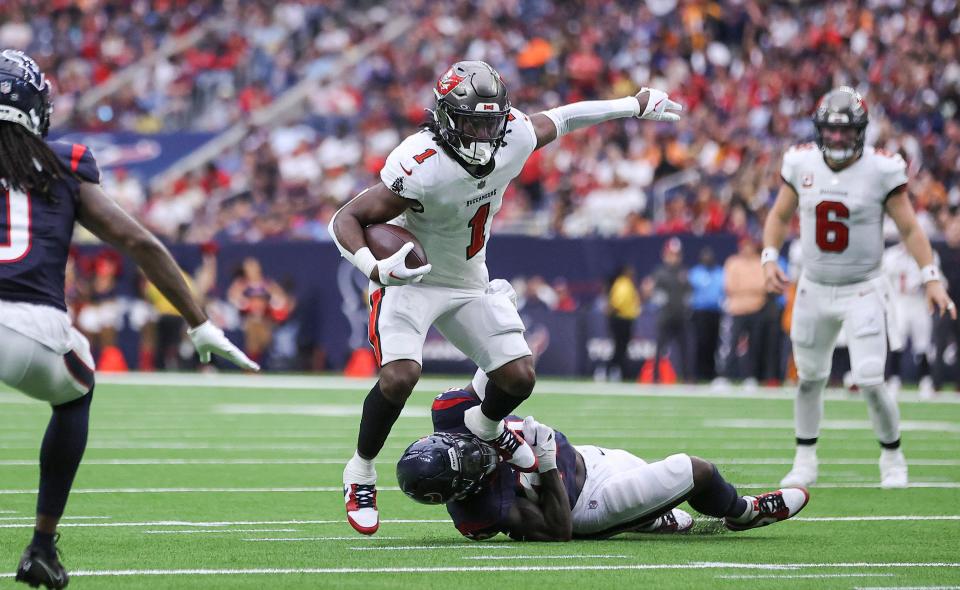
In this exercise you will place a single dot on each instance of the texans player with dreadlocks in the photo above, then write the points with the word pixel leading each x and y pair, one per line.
pixel 842 191
pixel 45 188
pixel 445 184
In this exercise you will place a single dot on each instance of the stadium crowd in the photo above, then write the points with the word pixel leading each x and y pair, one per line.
pixel 747 72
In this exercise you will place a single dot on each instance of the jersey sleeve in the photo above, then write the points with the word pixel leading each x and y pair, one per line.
pixel 79 159
pixel 520 129
pixel 893 171
pixel 789 166
pixel 448 408
pixel 405 170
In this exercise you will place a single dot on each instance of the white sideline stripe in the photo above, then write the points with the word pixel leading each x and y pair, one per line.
pixel 519 568
pixel 434 385
pixel 906 588
pixel 486 557
pixel 331 410
pixel 219 531
pixel 352 538
pixel 181 523
pixel 729 461
pixel 778 576
pixel 200 490
pixel 761 423
pixel 8 511
pixel 32 518
pixel 455 546
pixel 323 489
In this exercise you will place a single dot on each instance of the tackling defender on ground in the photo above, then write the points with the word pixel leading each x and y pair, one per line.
pixel 842 192
pixel 45 188
pixel 445 184
pixel 579 491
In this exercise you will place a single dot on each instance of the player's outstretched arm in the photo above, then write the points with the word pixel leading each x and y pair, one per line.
pixel 915 240
pixel 649 103
pixel 551 518
pixel 774 233
pixel 102 216
pixel 377 204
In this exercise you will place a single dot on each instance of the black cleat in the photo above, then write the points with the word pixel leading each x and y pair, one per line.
pixel 37 568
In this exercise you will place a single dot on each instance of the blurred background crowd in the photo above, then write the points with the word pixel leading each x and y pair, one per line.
pixel 748 73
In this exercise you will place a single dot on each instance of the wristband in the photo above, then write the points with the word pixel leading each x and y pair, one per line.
pixel 548 462
pixel 365 261
pixel 769 254
pixel 929 273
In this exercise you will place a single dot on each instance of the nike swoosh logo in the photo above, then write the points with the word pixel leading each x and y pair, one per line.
pixel 408 172
pixel 657 106
pixel 394 276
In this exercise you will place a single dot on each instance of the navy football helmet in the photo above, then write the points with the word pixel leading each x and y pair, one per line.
pixel 24 92
pixel 840 124
pixel 472 110
pixel 444 466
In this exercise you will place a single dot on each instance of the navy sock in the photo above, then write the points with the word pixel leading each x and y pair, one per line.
pixel 43 542
pixel 61 452
pixel 376 422
pixel 718 498
pixel 498 404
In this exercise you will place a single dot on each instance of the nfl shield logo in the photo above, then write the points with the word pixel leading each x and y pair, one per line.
pixel 6 86
pixel 807 180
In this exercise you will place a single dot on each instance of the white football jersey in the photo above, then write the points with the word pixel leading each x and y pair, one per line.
pixel 904 272
pixel 454 210
pixel 841 213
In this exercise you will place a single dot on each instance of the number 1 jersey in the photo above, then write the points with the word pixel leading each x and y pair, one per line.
pixel 841 213
pixel 35 231
pixel 452 211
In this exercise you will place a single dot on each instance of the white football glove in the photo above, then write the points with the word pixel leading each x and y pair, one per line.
pixel 394 271
pixel 658 104
pixel 542 439
pixel 209 339
pixel 502 287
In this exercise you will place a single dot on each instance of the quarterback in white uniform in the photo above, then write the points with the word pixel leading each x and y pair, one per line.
pixel 842 191
pixel 912 318
pixel 445 184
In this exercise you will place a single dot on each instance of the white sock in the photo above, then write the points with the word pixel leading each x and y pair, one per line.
pixel 479 424
pixel 806 453
pixel 884 412
pixel 808 408
pixel 360 465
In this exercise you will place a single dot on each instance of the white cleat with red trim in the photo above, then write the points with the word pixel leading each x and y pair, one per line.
pixel 360 497
pixel 769 508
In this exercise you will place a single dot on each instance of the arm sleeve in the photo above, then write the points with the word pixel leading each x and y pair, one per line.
pixel 577 115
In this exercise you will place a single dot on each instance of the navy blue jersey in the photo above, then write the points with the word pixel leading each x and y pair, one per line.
pixel 35 232
pixel 481 515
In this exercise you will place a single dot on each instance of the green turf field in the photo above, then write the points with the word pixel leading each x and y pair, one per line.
pixel 239 477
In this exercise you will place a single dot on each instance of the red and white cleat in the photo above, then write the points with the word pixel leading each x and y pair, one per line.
pixel 361 501
pixel 769 508
pixel 675 521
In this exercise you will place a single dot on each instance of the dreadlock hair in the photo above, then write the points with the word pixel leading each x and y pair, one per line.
pixel 27 163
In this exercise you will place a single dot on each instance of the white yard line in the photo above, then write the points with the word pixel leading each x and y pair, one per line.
pixel 856 485
pixel 434 385
pixel 778 576
pixel 906 588
pixel 454 546
pixel 219 531
pixel 573 556
pixel 844 425
pixel 518 568
pixel 351 538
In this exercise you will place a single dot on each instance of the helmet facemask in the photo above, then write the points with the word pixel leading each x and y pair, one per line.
pixel 472 111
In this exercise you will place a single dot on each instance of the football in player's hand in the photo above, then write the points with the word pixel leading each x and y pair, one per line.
pixel 384 239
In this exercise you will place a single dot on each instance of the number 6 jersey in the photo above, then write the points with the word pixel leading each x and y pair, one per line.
pixel 841 213
pixel 452 210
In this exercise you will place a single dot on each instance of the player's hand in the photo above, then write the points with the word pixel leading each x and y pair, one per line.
pixel 542 439
pixel 774 278
pixel 502 287
pixel 394 271
pixel 939 301
pixel 209 339
pixel 655 105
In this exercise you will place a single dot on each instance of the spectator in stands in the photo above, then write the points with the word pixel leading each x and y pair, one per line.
pixel 746 297
pixel 672 296
pixel 262 302
pixel 706 280
pixel 623 309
